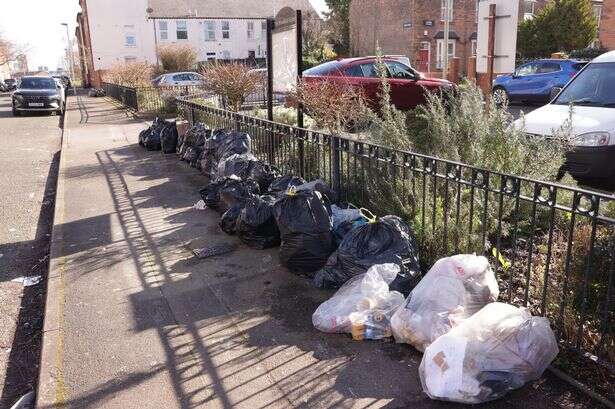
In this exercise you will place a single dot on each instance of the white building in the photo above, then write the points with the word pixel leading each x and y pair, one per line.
pixel 118 31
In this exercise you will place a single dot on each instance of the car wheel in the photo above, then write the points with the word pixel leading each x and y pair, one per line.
pixel 500 96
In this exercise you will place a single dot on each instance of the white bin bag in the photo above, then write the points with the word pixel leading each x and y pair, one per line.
pixel 498 349
pixel 363 306
pixel 454 289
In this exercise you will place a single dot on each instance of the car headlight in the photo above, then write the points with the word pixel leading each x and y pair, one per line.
pixel 56 96
pixel 592 139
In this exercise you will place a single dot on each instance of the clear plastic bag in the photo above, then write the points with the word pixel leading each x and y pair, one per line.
pixel 363 306
pixel 453 289
pixel 497 350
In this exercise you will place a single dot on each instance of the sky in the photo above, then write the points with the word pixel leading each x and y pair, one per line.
pixel 36 24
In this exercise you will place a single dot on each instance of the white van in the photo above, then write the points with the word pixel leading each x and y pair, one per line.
pixel 592 93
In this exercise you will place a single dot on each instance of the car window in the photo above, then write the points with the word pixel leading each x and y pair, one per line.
pixel 38 83
pixel 195 77
pixel 548 67
pixel 327 68
pixel 354 71
pixel 181 77
pixel 527 69
pixel 594 86
pixel 370 70
pixel 400 71
pixel 578 66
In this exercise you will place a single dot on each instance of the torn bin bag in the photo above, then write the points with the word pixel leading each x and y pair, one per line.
pixel 256 225
pixel 497 350
pixel 453 289
pixel 304 220
pixel 263 174
pixel 385 240
pixel 363 306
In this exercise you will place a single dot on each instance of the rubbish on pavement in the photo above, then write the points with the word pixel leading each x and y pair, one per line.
pixel 168 138
pixel 304 220
pixel 28 281
pixel 453 289
pixel 345 220
pixel 200 205
pixel 236 191
pixel 211 194
pixel 281 184
pixel 96 92
pixel 263 174
pixel 256 225
pixel 150 138
pixel 363 306
pixel 497 350
pixel 233 143
pixel 321 186
pixel 382 240
pixel 238 165
pixel 228 221
pixel 215 250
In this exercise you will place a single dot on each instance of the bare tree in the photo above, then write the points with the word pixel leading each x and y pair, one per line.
pixel 234 82
pixel 9 52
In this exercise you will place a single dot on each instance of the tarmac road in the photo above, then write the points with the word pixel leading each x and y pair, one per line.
pixel 29 159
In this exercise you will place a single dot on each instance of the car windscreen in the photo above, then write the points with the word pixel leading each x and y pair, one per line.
pixel 38 83
pixel 324 69
pixel 594 86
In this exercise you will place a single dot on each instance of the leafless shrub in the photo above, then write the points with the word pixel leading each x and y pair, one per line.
pixel 234 82
pixel 137 74
pixel 175 57
pixel 333 105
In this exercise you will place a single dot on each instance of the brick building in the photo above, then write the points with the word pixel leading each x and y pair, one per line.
pixel 415 28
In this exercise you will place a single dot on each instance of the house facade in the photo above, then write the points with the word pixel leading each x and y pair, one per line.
pixel 217 30
pixel 415 28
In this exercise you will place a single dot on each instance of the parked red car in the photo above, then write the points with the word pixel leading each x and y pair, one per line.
pixel 408 86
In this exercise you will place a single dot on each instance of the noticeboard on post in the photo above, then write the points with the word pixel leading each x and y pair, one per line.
pixel 506 25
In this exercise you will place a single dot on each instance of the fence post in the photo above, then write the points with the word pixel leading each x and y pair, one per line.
pixel 335 164
pixel 270 25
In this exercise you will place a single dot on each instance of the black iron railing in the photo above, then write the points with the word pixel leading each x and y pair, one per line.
pixel 552 245
pixel 161 100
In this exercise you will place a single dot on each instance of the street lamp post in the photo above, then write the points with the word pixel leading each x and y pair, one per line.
pixel 70 58
pixel 447 25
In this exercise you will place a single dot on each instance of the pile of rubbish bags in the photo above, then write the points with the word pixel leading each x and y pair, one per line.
pixel 475 349
pixel 161 135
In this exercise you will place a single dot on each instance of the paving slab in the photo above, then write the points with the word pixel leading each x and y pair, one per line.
pixel 134 320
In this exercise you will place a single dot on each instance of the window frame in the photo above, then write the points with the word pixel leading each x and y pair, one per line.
pixel 439 56
pixel 184 23
pixel 598 15
pixel 164 30
pixel 128 43
pixel 250 30
pixel 443 10
pixel 225 31
pixel 209 27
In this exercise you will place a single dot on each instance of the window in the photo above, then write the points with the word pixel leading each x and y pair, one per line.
pixel 210 31
pixel 548 67
pixel 440 52
pixel 529 6
pixel 474 46
pixel 130 40
pixel 263 30
pixel 477 8
pixel 353 71
pixel 226 55
pixel 369 70
pixel 527 69
pixel 594 87
pixel 182 30
pixel 250 30
pixel 443 6
pixel 598 12
pixel 226 30
pixel 400 71
pixel 130 59
pixel 163 27
pixel 324 69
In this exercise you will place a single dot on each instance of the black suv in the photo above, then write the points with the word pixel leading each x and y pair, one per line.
pixel 38 94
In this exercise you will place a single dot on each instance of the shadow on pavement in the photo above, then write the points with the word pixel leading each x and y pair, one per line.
pixel 241 320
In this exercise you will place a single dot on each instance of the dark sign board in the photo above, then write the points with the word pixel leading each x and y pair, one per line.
pixel 428 23
pixel 408 24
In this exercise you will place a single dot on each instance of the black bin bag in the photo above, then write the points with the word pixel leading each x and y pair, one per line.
pixel 382 240
pixel 263 174
pixel 281 184
pixel 233 143
pixel 211 194
pixel 228 221
pixel 236 191
pixel 256 225
pixel 168 138
pixel 306 229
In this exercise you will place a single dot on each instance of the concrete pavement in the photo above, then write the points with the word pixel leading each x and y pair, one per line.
pixel 133 320
pixel 29 159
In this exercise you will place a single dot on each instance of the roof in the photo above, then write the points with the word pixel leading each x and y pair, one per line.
pixel 606 57
pixel 451 35
pixel 224 8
